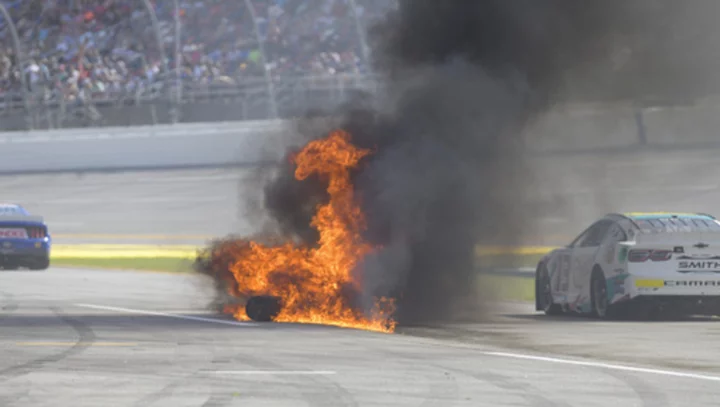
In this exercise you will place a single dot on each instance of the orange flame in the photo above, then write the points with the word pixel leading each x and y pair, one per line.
pixel 316 284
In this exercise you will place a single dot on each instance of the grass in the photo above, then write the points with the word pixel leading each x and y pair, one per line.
pixel 507 288
pixel 509 260
pixel 167 264
pixel 499 287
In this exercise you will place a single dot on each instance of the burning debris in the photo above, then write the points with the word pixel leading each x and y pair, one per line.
pixel 298 283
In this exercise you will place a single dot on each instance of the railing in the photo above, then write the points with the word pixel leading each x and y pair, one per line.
pixel 243 98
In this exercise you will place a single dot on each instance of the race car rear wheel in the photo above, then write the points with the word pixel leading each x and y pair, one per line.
pixel 599 296
pixel 543 291
pixel 40 264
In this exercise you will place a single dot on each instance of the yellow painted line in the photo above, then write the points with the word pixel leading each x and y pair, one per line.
pixel 131 236
pixel 123 251
pixel 55 344
pixel 92 254
pixel 649 283
pixel 120 247
pixel 190 251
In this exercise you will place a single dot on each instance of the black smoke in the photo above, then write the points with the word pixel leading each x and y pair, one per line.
pixel 462 81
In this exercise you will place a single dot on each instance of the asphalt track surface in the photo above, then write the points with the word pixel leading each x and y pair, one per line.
pixel 90 338
pixel 193 206
pixel 163 207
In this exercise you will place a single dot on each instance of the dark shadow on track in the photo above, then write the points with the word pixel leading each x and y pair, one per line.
pixel 149 323
pixel 587 319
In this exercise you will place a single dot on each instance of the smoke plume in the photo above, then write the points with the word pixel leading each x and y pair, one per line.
pixel 462 80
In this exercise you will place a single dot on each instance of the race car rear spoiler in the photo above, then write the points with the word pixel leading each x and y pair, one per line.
pixel 678 237
pixel 11 218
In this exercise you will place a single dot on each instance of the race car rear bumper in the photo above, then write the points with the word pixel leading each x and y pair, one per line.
pixel 24 253
pixel 685 304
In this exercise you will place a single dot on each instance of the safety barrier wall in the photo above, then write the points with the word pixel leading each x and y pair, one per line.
pixel 188 145
pixel 597 129
pixel 683 126
pixel 584 130
pixel 251 142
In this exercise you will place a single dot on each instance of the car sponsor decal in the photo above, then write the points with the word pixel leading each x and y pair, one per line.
pixel 689 266
pixel 649 283
pixel 692 283
pixel 616 286
pixel 655 283
pixel 13 233
pixel 699 257
pixel 622 254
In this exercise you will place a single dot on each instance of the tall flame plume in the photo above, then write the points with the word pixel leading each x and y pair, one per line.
pixel 319 284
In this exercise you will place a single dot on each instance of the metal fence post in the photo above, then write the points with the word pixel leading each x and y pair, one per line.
pixel 158 39
pixel 20 62
pixel 178 65
pixel 263 55
pixel 362 37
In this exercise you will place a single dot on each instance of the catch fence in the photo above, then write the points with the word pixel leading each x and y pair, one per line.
pixel 267 91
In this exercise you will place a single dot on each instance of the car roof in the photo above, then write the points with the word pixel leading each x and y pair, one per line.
pixel 13 209
pixel 665 215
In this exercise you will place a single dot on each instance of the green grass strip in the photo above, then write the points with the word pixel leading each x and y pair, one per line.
pixel 499 287
pixel 504 288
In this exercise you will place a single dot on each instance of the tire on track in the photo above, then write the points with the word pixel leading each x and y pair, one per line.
pixel 42 263
pixel 543 292
pixel 601 307
pixel 263 308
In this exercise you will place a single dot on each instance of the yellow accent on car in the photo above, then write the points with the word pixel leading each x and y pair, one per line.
pixel 638 214
pixel 649 283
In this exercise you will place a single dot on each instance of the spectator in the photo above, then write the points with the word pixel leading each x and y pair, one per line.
pixel 80 49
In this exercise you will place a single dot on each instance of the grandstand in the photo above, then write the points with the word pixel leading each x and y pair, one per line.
pixel 68 63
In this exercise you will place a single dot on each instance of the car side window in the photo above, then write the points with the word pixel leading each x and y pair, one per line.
pixel 578 240
pixel 615 233
pixel 595 234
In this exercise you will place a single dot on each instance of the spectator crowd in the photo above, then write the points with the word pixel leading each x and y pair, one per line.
pixel 79 49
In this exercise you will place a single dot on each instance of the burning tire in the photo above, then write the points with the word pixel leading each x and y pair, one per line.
pixel 263 308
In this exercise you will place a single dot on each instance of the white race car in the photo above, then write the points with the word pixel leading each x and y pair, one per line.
pixel 635 263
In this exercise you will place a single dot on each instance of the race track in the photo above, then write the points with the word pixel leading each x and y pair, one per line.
pixel 163 207
pixel 90 338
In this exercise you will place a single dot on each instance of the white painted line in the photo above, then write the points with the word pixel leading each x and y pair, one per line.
pixel 610 366
pixel 274 372
pixel 163 314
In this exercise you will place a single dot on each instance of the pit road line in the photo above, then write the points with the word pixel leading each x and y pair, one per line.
pixel 602 365
pixel 164 314
pixel 273 372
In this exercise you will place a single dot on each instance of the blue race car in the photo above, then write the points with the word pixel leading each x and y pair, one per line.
pixel 24 239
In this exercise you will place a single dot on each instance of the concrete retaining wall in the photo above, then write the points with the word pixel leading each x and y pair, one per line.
pixel 191 145
pixel 251 142
pixel 683 127
pixel 583 130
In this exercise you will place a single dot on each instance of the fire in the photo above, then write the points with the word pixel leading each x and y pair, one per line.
pixel 316 284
